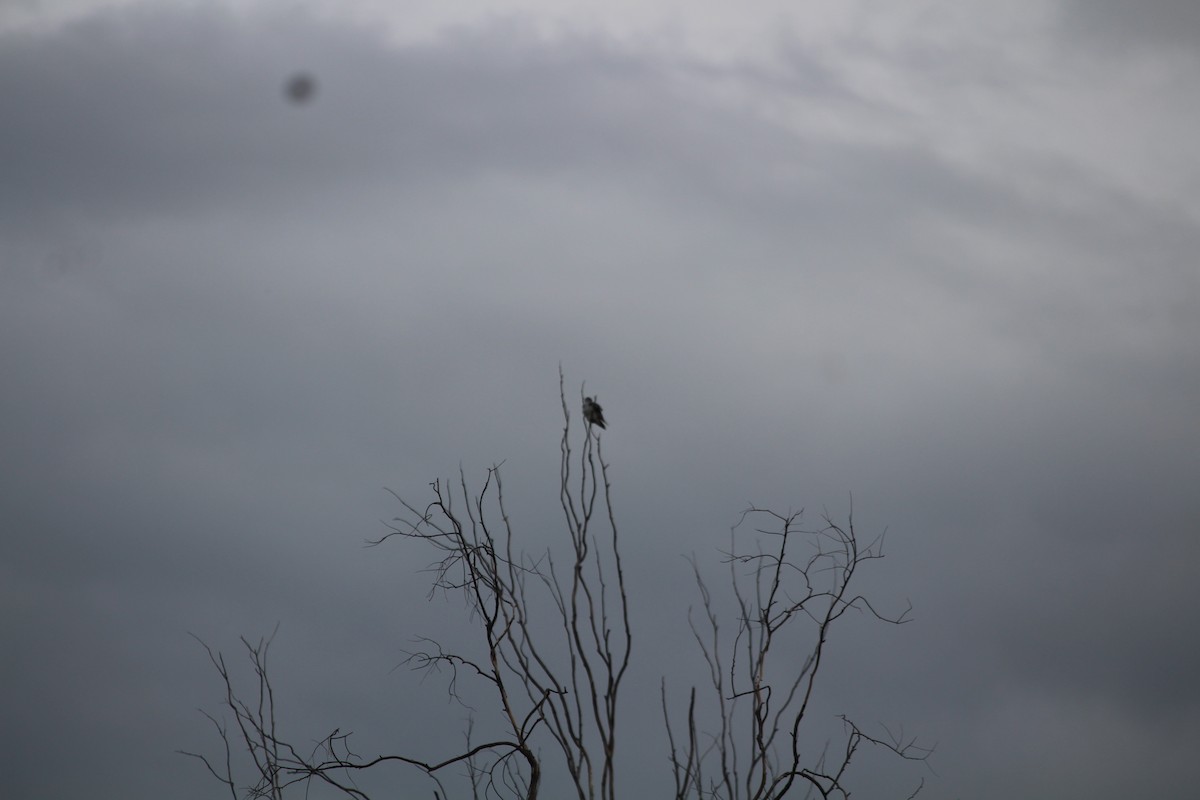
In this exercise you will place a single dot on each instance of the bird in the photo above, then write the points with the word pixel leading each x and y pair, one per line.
pixel 593 413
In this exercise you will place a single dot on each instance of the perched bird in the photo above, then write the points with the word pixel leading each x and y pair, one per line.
pixel 593 413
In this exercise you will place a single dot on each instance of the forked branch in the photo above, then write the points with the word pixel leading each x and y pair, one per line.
pixel 790 586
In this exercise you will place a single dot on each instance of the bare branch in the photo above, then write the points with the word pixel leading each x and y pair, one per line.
pixel 552 643
pixel 788 585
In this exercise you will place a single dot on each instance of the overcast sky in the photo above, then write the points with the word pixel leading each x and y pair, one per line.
pixel 941 255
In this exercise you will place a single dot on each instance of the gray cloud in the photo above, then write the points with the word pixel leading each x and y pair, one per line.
pixel 1174 23
pixel 227 321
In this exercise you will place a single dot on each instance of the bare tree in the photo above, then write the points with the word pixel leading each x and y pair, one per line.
pixel 787 595
pixel 553 648
pixel 559 681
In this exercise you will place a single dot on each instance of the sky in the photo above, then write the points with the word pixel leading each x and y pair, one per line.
pixel 935 261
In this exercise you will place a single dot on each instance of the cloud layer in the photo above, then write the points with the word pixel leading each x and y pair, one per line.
pixel 949 274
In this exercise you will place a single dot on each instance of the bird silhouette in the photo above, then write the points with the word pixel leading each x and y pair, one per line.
pixel 593 413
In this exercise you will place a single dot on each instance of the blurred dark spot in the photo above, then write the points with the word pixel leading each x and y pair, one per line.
pixel 300 88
